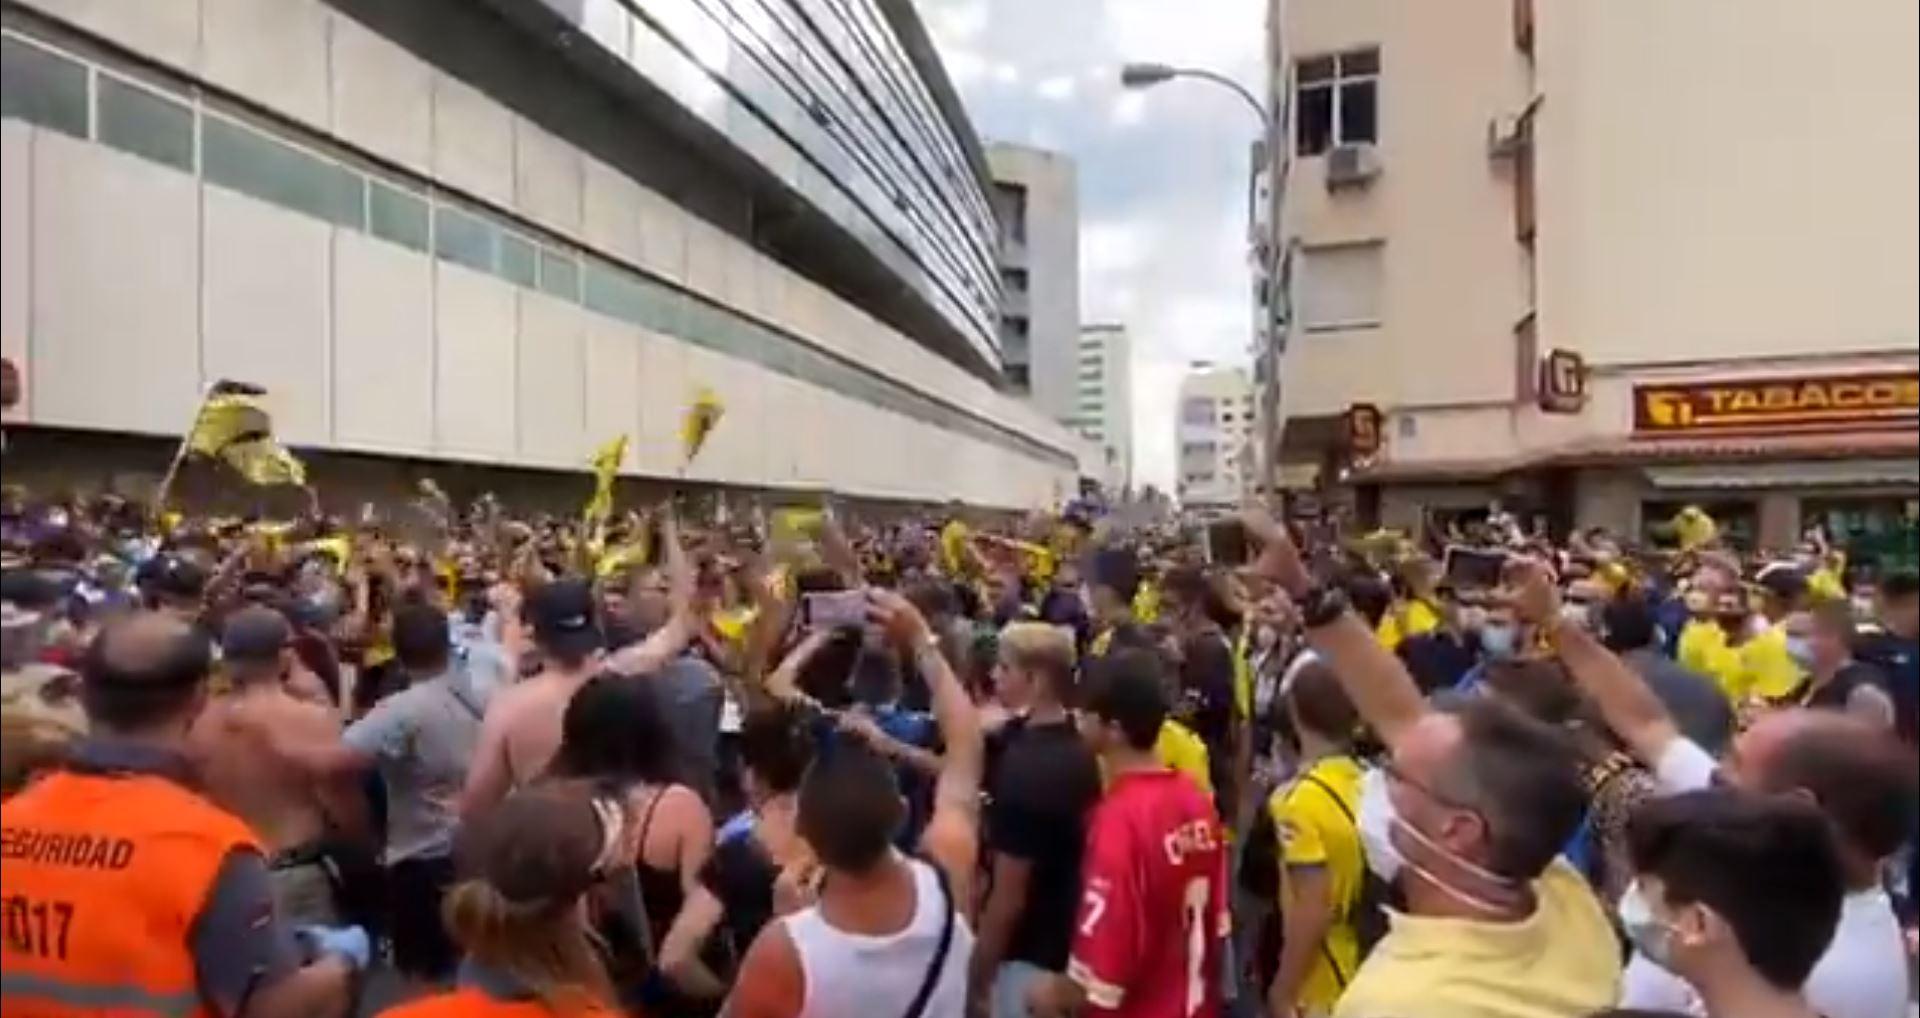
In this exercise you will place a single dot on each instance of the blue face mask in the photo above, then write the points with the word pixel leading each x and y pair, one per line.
pixel 1497 640
pixel 1800 649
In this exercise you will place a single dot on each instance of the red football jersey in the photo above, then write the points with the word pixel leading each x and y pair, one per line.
pixel 1153 906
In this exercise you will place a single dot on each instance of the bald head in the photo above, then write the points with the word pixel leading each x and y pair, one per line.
pixel 144 672
pixel 1862 776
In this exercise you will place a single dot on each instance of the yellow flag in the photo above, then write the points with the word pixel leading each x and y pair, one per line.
pixel 953 547
pixel 702 415
pixel 606 464
pixel 228 419
pixel 1693 528
pixel 265 462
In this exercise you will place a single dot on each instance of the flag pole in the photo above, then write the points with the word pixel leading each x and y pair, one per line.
pixel 180 453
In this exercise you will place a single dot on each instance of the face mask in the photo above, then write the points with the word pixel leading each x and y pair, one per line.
pixel 1800 649
pixel 1375 822
pixel 1497 641
pixel 1649 935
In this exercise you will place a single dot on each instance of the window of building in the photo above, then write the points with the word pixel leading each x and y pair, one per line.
pixel 42 88
pixel 1015 280
pixel 1010 208
pixel 1337 100
pixel 1019 377
pixel 1340 286
pixel 137 120
pixel 1197 411
pixel 1194 450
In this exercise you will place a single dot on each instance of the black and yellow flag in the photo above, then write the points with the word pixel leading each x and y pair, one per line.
pixel 232 426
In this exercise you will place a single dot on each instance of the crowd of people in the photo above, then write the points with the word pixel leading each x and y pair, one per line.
pixel 944 766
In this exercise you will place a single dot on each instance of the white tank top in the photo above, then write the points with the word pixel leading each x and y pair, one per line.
pixel 853 974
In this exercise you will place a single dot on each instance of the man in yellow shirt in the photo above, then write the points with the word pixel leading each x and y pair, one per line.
pixel 1414 610
pixel 1467 817
pixel 1321 863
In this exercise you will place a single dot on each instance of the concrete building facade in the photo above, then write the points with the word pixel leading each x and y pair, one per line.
pixel 1214 438
pixel 501 233
pixel 1103 399
pixel 1036 201
pixel 1593 260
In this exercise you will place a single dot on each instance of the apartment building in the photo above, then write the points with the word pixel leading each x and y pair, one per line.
pixel 1103 399
pixel 1214 438
pixel 1036 203
pixel 1602 260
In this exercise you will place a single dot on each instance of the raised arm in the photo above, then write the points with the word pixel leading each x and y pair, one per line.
pixel 1380 686
pixel 1630 708
pixel 665 643
pixel 952 835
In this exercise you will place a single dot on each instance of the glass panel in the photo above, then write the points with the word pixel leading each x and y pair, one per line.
pixel 559 274
pixel 398 216
pixel 1360 61
pixel 1358 119
pixel 136 120
pixel 1313 69
pixel 518 261
pixel 42 88
pixel 247 161
pixel 465 239
pixel 601 284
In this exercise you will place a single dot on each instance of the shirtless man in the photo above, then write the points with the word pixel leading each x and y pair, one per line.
pixel 282 804
pixel 522 728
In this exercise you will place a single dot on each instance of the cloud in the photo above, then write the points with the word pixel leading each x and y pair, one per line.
pixel 1058 87
pixel 1162 171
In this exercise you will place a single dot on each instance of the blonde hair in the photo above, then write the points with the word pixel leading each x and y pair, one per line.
pixel 1037 646
pixel 545 946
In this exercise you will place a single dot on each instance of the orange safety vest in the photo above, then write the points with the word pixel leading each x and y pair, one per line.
pixel 471 1003
pixel 101 879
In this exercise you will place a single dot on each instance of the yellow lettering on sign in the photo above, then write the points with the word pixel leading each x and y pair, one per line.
pixel 1883 394
pixel 1744 401
pixel 1849 395
pixel 1668 409
pixel 1719 398
pixel 1813 396
pixel 1777 397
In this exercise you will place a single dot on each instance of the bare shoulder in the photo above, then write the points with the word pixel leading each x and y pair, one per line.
pixel 771 983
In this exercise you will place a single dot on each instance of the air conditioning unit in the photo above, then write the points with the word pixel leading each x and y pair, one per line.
pixel 1352 165
pixel 1505 137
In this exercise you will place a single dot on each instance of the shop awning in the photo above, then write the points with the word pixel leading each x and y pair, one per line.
pixel 1801 474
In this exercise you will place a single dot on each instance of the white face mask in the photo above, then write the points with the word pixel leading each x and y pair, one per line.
pixel 1375 823
pixel 1650 936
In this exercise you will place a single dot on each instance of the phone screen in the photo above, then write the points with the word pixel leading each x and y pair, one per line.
pixel 1227 543
pixel 1474 568
pixel 833 609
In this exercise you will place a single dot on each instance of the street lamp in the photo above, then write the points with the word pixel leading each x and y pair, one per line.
pixel 1145 74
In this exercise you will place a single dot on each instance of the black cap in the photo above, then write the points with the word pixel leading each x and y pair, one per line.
pixel 1784 581
pixel 565 617
pixel 173 576
pixel 254 635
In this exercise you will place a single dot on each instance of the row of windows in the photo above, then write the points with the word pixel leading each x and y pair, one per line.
pixel 63 94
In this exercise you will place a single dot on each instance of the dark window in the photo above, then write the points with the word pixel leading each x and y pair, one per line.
pixel 1014 325
pixel 242 159
pixel 1015 280
pixel 559 275
pixel 1337 100
pixel 398 216
pixel 1010 207
pixel 517 260
pixel 41 88
pixel 1019 377
pixel 133 119
pixel 465 239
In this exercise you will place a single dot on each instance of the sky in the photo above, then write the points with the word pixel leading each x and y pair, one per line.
pixel 1163 172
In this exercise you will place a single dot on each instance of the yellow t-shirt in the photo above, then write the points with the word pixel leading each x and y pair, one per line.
pixel 1760 667
pixel 1315 831
pixel 1404 619
pixel 1179 748
pixel 1561 962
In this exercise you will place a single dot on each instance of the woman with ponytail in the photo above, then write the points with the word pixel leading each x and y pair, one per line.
pixel 520 916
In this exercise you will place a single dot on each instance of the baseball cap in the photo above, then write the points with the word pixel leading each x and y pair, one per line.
pixel 171 575
pixel 565 618
pixel 1783 580
pixel 255 634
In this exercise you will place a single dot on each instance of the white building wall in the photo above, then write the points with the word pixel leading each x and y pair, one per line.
pixel 135 284
pixel 1050 257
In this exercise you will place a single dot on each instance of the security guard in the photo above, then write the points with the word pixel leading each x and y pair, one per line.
pixel 122 891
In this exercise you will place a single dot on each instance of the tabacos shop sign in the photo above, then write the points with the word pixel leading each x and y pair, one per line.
pixel 1810 404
